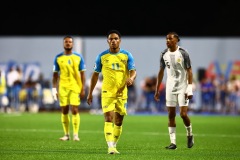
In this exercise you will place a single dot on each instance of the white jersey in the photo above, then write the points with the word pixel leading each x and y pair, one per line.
pixel 176 64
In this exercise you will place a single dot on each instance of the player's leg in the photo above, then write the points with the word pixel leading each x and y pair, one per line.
pixel 108 105
pixel 171 102
pixel 186 120
pixel 120 112
pixel 75 102
pixel 75 122
pixel 117 131
pixel 65 119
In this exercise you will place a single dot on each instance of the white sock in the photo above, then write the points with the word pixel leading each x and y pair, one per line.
pixel 189 130
pixel 110 144
pixel 114 144
pixel 172 134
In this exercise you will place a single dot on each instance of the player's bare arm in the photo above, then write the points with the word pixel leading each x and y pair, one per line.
pixel 83 79
pixel 93 83
pixel 54 85
pixel 159 81
pixel 189 93
pixel 132 77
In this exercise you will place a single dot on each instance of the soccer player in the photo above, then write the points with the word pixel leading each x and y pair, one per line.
pixel 118 71
pixel 68 84
pixel 178 86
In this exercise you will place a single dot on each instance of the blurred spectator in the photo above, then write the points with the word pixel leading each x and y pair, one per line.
pixel 148 86
pixel 45 98
pixel 233 87
pixel 238 97
pixel 207 95
pixel 14 84
pixel 29 96
pixel 221 94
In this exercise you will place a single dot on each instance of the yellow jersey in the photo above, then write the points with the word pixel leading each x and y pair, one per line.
pixel 68 67
pixel 115 69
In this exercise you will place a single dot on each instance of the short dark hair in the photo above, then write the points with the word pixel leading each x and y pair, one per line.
pixel 175 35
pixel 114 31
pixel 68 36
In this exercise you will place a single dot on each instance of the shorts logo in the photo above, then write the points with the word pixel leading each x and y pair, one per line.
pixel 105 107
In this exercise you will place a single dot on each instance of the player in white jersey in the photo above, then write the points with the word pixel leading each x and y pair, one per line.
pixel 178 86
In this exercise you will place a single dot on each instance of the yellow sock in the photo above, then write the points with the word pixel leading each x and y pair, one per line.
pixel 76 123
pixel 117 131
pixel 108 132
pixel 65 123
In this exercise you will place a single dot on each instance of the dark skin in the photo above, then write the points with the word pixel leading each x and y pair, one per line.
pixel 172 44
pixel 68 45
pixel 114 42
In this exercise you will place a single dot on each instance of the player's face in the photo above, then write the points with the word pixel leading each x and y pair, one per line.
pixel 68 43
pixel 114 41
pixel 171 41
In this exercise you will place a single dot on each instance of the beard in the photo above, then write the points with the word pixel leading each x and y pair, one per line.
pixel 68 49
pixel 114 47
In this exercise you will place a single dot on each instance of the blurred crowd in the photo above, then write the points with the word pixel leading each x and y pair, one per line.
pixel 218 94
pixel 19 95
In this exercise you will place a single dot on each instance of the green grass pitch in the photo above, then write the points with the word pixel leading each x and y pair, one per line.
pixel 36 136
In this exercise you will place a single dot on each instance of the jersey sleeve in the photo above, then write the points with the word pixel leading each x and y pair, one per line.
pixel 162 63
pixel 98 65
pixel 187 61
pixel 131 63
pixel 55 65
pixel 82 65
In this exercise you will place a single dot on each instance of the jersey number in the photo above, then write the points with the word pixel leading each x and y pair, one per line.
pixel 115 66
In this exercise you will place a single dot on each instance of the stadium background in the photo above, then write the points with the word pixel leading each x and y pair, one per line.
pixel 32 33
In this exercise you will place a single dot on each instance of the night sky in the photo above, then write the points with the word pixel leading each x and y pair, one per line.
pixel 131 18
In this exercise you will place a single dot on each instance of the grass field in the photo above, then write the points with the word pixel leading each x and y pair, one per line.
pixel 36 136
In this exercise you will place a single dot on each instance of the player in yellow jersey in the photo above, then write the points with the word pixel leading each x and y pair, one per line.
pixel 118 71
pixel 68 83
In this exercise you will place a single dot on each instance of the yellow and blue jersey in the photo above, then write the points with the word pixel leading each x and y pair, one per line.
pixel 69 66
pixel 115 69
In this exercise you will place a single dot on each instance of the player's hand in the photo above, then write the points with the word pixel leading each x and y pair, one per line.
pixel 89 99
pixel 129 81
pixel 55 94
pixel 189 92
pixel 120 90
pixel 82 94
pixel 156 96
